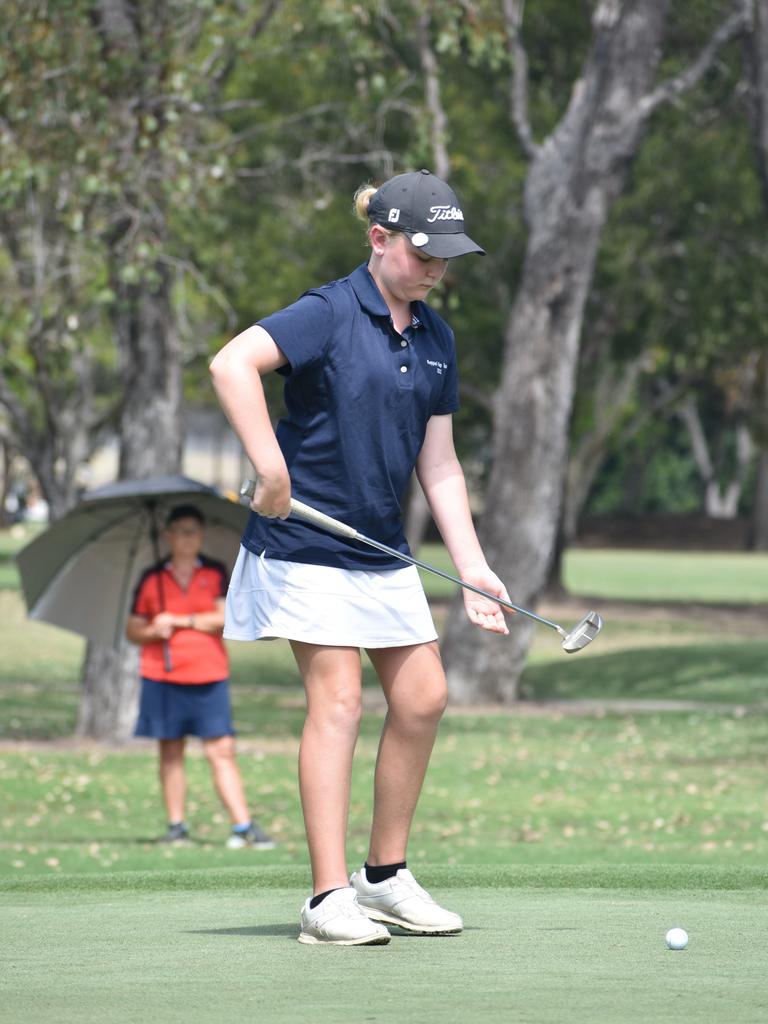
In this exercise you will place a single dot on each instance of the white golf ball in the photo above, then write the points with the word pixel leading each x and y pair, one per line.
pixel 677 938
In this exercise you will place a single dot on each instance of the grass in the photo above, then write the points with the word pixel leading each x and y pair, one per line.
pixel 718 672
pixel 592 826
pixel 718 577
pixel 642 575
pixel 600 789
pixel 211 953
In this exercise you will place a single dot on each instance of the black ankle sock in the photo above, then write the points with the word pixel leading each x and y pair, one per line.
pixel 382 872
pixel 317 900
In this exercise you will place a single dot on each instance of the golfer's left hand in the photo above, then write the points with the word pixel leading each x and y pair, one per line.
pixel 482 612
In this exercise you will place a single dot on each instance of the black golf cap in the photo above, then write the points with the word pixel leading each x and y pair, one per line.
pixel 425 209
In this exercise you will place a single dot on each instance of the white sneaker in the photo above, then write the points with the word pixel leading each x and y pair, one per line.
pixel 338 920
pixel 401 901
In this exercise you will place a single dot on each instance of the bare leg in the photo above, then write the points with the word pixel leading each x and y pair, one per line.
pixel 414 684
pixel 332 681
pixel 220 752
pixel 172 778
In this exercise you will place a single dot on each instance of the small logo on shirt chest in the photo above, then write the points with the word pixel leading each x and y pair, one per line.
pixel 439 367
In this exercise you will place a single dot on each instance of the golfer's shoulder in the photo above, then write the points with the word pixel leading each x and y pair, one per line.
pixel 338 296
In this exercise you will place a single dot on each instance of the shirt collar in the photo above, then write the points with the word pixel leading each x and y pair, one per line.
pixel 367 291
pixel 371 299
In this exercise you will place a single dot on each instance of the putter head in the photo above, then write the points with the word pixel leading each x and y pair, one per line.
pixel 583 633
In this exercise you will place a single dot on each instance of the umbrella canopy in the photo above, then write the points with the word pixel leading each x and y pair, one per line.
pixel 80 573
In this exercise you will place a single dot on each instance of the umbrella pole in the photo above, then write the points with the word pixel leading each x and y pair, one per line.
pixel 154 536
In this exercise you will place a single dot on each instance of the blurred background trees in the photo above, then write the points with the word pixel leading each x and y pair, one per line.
pixel 170 171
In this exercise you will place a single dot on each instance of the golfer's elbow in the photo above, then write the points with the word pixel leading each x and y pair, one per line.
pixel 247 356
pixel 221 368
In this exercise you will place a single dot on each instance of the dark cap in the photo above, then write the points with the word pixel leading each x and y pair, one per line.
pixel 425 209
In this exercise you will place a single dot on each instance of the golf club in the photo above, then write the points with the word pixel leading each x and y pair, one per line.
pixel 583 632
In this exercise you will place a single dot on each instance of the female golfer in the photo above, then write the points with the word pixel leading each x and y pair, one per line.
pixel 370 386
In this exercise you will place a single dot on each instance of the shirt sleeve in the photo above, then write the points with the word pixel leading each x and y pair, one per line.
pixel 449 397
pixel 142 603
pixel 302 331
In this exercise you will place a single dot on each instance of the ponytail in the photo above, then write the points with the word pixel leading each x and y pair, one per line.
pixel 362 199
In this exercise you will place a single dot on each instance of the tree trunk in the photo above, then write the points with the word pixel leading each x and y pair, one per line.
pixel 5 479
pixel 759 538
pixel 756 52
pixel 574 177
pixel 610 387
pixel 149 351
pixel 108 698
pixel 151 444
pixel 721 500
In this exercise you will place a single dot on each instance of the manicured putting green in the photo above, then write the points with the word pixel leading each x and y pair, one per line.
pixel 537 955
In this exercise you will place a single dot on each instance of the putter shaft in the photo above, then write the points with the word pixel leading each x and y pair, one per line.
pixel 320 519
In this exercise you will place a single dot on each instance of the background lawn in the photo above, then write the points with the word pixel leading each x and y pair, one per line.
pixel 642 575
pixel 625 794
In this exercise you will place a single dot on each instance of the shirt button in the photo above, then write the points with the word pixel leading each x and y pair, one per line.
pixel 403 344
pixel 403 369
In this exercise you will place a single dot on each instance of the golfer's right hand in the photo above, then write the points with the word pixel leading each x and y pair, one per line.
pixel 272 497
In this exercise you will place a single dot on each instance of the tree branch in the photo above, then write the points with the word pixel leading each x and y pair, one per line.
pixel 219 78
pixel 21 423
pixel 689 414
pixel 737 22
pixel 116 23
pixel 756 61
pixel 438 120
pixel 513 19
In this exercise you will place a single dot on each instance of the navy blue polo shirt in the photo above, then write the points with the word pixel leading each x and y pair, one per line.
pixel 358 397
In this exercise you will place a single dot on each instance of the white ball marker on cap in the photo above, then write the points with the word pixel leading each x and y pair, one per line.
pixel 419 239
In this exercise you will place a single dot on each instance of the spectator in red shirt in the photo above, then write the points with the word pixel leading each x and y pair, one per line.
pixel 177 616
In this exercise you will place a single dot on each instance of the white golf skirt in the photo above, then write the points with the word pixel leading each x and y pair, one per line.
pixel 318 604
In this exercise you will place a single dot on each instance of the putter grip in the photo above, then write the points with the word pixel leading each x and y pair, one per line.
pixel 307 513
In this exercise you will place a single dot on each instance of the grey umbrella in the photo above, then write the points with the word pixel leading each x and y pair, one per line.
pixel 80 573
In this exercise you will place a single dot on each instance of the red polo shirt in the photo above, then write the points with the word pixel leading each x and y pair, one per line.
pixel 195 657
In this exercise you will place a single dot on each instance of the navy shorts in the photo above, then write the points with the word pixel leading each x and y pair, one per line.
pixel 171 711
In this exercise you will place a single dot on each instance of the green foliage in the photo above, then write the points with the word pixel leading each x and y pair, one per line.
pixel 225 159
pixel 679 283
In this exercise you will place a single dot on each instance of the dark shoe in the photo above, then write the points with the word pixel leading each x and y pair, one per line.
pixel 176 834
pixel 255 837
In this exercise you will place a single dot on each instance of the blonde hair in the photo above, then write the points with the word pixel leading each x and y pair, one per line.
pixel 360 203
pixel 362 199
